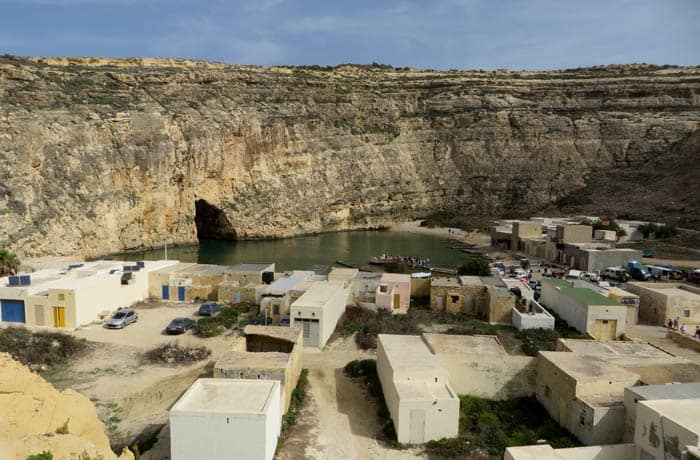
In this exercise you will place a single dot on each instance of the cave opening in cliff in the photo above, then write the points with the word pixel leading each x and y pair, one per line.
pixel 212 222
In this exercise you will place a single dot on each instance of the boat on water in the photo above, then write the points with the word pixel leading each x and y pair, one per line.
pixel 414 262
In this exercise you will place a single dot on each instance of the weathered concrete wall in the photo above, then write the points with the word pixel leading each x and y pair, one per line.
pixel 495 377
pixel 686 341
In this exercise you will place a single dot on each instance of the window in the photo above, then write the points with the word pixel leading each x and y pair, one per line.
pixel 605 321
pixel 547 391
pixel 61 297
pixel 275 309
pixel 383 288
pixel 686 313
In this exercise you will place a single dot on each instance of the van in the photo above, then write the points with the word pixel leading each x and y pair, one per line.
pixel 615 273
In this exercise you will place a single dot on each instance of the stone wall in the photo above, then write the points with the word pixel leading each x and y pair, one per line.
pixel 100 156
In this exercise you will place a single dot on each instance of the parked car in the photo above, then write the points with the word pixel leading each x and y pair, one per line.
pixel 648 254
pixel 122 318
pixel 209 308
pixel 285 321
pixel 259 321
pixel 179 326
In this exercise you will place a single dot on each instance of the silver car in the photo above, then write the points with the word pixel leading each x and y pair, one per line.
pixel 122 318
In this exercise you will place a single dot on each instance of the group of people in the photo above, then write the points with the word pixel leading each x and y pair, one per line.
pixel 676 325
pixel 407 260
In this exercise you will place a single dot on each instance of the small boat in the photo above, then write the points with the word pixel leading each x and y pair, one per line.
pixel 345 264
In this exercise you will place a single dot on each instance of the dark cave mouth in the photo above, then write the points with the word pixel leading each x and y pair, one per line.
pixel 212 222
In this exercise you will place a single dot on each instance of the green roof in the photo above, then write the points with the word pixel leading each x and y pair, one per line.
pixel 584 295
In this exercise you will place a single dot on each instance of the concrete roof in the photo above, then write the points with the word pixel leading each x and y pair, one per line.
pixel 457 344
pixel 537 452
pixel 608 349
pixel 678 411
pixel 227 396
pixel 468 280
pixel 290 334
pixel 586 368
pixel 251 267
pixel 421 391
pixel 407 353
pixel 251 360
pixel 285 284
pixel 444 282
pixel 667 391
pixel 344 272
pixel 318 294
pixel 657 374
pixel 395 278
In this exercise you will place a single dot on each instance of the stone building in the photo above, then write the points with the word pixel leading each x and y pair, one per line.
pixel 416 389
pixel 659 302
pixel 446 295
pixel 271 353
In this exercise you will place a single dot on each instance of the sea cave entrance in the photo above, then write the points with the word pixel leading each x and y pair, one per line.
pixel 212 222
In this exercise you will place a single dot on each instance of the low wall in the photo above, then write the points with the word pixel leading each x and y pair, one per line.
pixel 496 377
pixel 538 319
pixel 686 341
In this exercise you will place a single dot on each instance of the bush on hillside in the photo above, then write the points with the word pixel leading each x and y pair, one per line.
pixel 49 348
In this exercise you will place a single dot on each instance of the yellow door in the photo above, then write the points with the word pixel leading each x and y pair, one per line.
pixel 59 317
pixel 397 301
pixel 605 329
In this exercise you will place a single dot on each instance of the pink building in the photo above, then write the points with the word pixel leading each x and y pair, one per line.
pixel 393 292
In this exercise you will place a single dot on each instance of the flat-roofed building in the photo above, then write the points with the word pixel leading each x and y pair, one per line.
pixel 318 310
pixel 416 388
pixel 659 302
pixel 394 292
pixel 634 395
pixel 667 429
pixel 276 298
pixel 584 394
pixel 271 353
pixel 446 295
pixel 220 419
pixel 546 452
pixel 584 309
pixel 76 295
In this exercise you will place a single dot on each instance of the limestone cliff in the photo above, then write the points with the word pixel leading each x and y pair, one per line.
pixel 35 417
pixel 97 156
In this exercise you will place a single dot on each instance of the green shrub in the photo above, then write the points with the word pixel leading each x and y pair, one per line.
pixel 45 455
pixel 208 327
pixel 174 353
pixel 63 429
pixel 475 266
pixel 48 348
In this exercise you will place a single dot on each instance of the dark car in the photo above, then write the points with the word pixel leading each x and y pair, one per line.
pixel 259 321
pixel 209 308
pixel 179 326
pixel 285 321
pixel 122 318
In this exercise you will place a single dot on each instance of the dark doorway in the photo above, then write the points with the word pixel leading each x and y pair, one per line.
pixel 212 222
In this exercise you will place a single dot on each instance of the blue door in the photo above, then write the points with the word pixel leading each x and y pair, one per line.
pixel 181 293
pixel 166 292
pixel 238 297
pixel 12 311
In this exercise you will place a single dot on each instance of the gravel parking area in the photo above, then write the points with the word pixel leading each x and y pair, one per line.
pixel 147 332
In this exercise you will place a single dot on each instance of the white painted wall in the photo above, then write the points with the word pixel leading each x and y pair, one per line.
pixel 218 435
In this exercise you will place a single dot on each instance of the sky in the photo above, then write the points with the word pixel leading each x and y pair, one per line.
pixel 429 34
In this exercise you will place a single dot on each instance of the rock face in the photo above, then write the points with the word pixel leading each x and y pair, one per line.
pixel 35 417
pixel 99 156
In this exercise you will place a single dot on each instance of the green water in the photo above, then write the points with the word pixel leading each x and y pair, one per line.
pixel 303 252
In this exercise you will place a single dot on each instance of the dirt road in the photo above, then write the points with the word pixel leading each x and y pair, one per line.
pixel 340 418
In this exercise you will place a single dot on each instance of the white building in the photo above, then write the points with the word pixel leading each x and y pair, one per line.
pixel 667 429
pixel 318 310
pixel 416 388
pixel 219 419
pixel 77 295
pixel 584 309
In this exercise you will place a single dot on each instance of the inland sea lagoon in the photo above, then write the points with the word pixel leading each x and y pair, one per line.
pixel 303 252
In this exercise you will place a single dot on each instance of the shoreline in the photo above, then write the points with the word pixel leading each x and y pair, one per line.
pixel 476 237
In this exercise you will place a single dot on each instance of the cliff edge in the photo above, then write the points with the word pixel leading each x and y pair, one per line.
pixel 98 156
